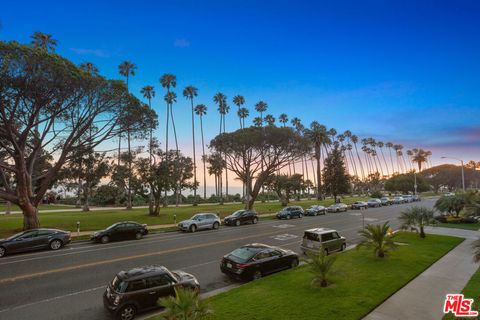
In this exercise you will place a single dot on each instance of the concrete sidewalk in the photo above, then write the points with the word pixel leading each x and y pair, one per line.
pixel 423 297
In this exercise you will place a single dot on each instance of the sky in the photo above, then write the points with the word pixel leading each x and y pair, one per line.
pixel 401 71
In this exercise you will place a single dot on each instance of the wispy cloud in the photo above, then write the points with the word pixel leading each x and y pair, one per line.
pixel 181 43
pixel 91 52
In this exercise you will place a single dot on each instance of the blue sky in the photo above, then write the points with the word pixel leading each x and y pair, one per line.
pixel 400 71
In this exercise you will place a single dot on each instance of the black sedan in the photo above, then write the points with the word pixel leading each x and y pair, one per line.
pixel 121 231
pixel 254 261
pixel 34 239
pixel 315 210
pixel 241 217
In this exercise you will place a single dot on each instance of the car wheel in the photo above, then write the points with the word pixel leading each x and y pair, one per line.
pixel 55 244
pixel 300 215
pixel 255 220
pixel 127 313
pixel 257 275
pixel 344 246
pixel 105 239
pixel 288 217
pixel 193 228
pixel 2 252
pixel 237 223
pixel 138 235
pixel 315 214
pixel 294 263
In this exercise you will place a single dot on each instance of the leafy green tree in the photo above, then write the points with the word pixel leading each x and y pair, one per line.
pixel 254 154
pixel 321 266
pixel 185 305
pixel 416 218
pixel 376 237
pixel 284 185
pixel 450 204
pixel 406 183
pixel 335 178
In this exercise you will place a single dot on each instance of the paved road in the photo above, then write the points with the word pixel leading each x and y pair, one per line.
pixel 69 283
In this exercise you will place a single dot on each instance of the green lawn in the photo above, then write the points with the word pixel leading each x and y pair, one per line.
pixel 472 291
pixel 362 282
pixel 3 207
pixel 467 226
pixel 95 220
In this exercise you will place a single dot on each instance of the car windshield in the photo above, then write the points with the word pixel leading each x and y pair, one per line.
pixel 244 253
pixel 119 285
pixel 238 213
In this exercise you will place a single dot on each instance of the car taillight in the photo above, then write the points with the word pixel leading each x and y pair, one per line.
pixel 242 265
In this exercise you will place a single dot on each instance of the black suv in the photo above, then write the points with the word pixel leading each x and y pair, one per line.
pixel 140 288
pixel 290 212
pixel 240 217
pixel 120 231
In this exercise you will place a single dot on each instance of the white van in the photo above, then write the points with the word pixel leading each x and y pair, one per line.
pixel 322 238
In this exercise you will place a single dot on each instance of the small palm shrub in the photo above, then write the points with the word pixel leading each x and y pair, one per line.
pixel 185 305
pixel 320 265
pixel 416 218
pixel 376 237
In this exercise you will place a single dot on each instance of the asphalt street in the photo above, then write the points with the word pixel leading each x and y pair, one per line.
pixel 69 283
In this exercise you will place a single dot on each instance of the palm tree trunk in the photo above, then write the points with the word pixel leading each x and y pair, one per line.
pixel 165 198
pixel 359 161
pixel 391 159
pixel 177 188
pixel 194 159
pixel 315 188
pixel 385 161
pixel 204 160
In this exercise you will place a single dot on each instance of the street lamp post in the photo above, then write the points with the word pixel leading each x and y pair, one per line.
pixel 463 173
pixel 415 182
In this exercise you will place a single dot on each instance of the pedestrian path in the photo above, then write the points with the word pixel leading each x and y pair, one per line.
pixel 423 297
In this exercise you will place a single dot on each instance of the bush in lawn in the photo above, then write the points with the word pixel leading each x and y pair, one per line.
pixel 185 305
pixel 416 218
pixel 376 194
pixel 375 236
pixel 321 266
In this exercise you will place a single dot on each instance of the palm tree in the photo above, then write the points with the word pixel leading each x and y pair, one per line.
pixel 261 107
pixel 283 119
pixel 318 136
pixel 239 101
pixel 419 156
pixel 416 218
pixel 89 67
pixel 380 144
pixel 191 92
pixel 127 69
pixel 321 266
pixel 148 93
pixel 257 122
pixel 223 109
pixel 167 81
pixel 201 110
pixel 242 114
pixel 270 120
pixel 43 41
pixel 354 140
pixel 398 153
pixel 297 124
pixel 375 236
pixel 184 305
pixel 389 145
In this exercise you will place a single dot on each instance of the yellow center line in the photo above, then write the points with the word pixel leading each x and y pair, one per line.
pixel 99 263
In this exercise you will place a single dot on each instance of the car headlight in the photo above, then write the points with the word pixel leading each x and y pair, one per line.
pixel 116 301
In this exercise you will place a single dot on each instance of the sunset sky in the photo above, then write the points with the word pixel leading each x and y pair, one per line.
pixel 401 71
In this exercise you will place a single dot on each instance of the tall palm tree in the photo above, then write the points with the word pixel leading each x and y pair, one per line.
pixel 375 236
pixel 373 143
pixel 398 151
pixel 43 41
pixel 380 145
pixel 270 120
pixel 184 305
pixel 189 93
pixel 201 110
pixel 354 140
pixel 239 101
pixel 261 107
pixel 221 100
pixel 167 81
pixel 242 114
pixel 299 128
pixel 148 93
pixel 348 135
pixel 127 69
pixel 283 119
pixel 389 145
pixel 318 135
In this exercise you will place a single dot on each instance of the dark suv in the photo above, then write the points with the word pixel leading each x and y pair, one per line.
pixel 240 217
pixel 290 212
pixel 140 288
pixel 120 231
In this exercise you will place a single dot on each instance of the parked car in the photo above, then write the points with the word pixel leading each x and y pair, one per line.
pixel 408 198
pixel 416 198
pixel 254 261
pixel 200 221
pixel 125 230
pixel 337 207
pixel 318 239
pixel 315 210
pixel 240 217
pixel 290 212
pixel 359 205
pixel 398 200
pixel 34 239
pixel 139 289
pixel 374 203
pixel 386 201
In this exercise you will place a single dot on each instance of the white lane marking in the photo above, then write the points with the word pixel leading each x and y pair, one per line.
pixel 284 237
pixel 53 299
pixel 283 226
pixel 370 219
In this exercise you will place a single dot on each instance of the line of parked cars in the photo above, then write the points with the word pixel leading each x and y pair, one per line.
pixel 384 201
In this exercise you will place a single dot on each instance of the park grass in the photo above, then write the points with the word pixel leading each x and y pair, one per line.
pixel 3 207
pixel 95 220
pixel 360 284
pixel 466 226
pixel 471 291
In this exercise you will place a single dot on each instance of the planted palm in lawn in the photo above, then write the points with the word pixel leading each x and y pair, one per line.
pixel 185 305
pixel 321 266
pixel 416 218
pixel 362 283
pixel 376 238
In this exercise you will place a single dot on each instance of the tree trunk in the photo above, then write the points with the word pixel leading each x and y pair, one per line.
pixel 8 210
pixel 323 283
pixel 30 217
pixel 129 194
pixel 422 232
pixel 381 254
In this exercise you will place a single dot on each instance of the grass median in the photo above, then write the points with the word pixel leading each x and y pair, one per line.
pixel 361 283
pixel 95 220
